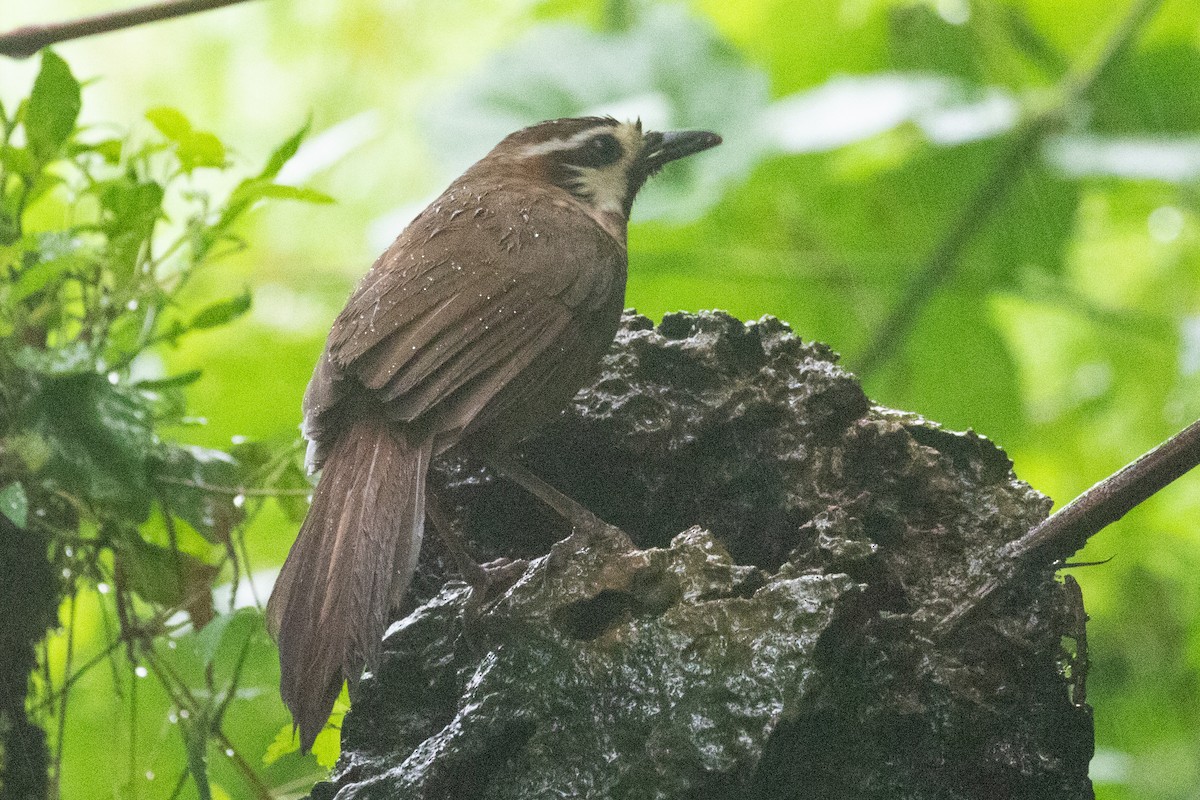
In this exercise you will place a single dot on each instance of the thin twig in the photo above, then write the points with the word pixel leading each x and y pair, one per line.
pixel 234 490
pixel 56 769
pixel 133 743
pixel 942 262
pixel 24 42
pixel 180 694
pixel 1069 528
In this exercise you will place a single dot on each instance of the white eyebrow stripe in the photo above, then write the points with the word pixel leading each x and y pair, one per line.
pixel 555 145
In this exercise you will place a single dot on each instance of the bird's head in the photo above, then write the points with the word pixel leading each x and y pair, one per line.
pixel 599 160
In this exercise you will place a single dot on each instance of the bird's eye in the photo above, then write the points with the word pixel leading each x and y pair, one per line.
pixel 599 151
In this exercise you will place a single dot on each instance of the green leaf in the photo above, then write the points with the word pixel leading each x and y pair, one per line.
pixel 252 190
pixel 108 149
pixel 293 479
pixel 285 741
pixel 167 577
pixel 41 275
pixel 29 448
pixel 42 183
pixel 17 160
pixel 327 747
pixel 252 458
pixel 14 504
pixel 173 382
pixel 225 632
pixel 279 191
pixel 9 231
pixel 131 208
pixel 221 313
pixel 53 108
pixel 194 148
pixel 202 149
pixel 99 436
pixel 170 122
pixel 284 152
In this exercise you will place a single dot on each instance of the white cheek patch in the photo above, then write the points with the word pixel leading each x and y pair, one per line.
pixel 605 187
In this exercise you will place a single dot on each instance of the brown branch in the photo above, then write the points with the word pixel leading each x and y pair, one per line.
pixel 1112 498
pixel 1071 526
pixel 942 262
pixel 24 42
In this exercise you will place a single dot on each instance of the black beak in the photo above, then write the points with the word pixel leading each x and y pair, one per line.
pixel 661 148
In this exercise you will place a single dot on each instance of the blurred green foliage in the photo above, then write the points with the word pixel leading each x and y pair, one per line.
pixel 863 139
pixel 94 275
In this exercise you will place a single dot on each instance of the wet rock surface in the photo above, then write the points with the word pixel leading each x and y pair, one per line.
pixel 760 626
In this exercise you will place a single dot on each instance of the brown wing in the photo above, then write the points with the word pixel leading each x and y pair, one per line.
pixel 465 301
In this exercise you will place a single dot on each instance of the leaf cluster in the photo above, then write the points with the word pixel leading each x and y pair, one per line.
pixel 100 236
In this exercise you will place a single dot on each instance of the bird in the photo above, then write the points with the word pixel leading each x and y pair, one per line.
pixel 475 327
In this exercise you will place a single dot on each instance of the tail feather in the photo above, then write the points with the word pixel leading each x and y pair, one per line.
pixel 355 552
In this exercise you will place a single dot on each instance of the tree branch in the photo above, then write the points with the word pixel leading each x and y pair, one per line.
pixel 1071 526
pixel 941 264
pixel 24 42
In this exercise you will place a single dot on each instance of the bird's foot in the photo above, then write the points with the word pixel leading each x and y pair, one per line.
pixel 487 581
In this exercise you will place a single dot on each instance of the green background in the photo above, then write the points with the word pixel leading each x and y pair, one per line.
pixel 861 136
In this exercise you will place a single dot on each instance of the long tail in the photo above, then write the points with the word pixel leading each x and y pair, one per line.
pixel 356 550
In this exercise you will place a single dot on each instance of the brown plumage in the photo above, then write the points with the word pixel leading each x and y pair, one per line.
pixel 478 324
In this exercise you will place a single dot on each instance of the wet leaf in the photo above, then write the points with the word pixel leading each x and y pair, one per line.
pixel 168 577
pixel 195 484
pixel 99 437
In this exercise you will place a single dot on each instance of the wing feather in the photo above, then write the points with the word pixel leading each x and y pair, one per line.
pixel 431 335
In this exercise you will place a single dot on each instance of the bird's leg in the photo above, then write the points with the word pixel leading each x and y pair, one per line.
pixel 475 575
pixel 483 579
pixel 570 510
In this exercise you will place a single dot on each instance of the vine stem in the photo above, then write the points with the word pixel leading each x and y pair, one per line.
pixel 24 42
pixel 942 262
